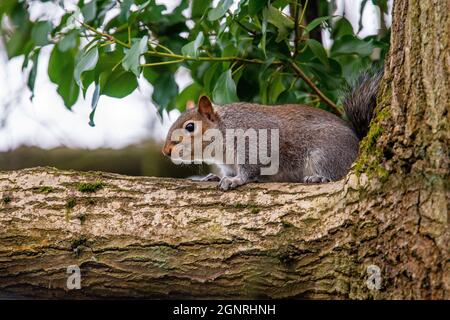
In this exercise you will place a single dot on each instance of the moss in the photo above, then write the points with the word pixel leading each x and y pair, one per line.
pixel 286 224
pixel 78 242
pixel 71 202
pixel 240 206
pixel 45 189
pixel 78 245
pixel 371 155
pixel 6 200
pixel 255 210
pixel 90 186
pixel 81 217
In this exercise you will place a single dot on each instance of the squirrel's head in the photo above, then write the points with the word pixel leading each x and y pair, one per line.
pixel 190 127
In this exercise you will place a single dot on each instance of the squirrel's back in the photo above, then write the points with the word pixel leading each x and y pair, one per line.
pixel 284 117
pixel 313 142
pixel 358 99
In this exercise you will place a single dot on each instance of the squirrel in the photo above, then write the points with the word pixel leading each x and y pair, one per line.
pixel 314 146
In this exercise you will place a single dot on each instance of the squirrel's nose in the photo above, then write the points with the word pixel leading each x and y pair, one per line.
pixel 167 150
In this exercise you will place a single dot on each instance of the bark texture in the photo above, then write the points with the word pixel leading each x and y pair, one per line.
pixel 151 237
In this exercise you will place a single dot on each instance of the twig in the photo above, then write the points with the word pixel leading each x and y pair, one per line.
pixel 296 38
pixel 324 98
pixel 297 25
pixel 254 33
pixel 161 63
pixel 161 46
pixel 178 56
pixel 105 35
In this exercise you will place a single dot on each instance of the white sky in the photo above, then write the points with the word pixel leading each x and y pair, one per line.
pixel 46 123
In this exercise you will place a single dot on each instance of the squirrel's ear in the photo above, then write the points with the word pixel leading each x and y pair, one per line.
pixel 205 108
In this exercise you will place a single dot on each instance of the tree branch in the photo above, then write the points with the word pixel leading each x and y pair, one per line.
pixel 152 237
pixel 311 84
pixel 296 25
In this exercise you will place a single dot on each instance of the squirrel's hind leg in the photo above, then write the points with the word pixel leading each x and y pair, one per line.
pixel 229 183
pixel 315 179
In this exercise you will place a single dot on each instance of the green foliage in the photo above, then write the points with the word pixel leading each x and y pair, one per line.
pixel 61 68
pixel 90 186
pixel 131 60
pixel 71 203
pixel 87 62
pixel 244 54
pixel 6 200
pixel 45 189
pixel 225 89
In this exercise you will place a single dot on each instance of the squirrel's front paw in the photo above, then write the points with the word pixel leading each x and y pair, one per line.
pixel 210 177
pixel 315 179
pixel 228 183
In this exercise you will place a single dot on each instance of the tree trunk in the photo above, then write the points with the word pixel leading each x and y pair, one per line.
pixel 150 237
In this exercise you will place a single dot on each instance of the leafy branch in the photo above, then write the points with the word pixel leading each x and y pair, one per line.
pixel 324 98
pixel 257 45
pixel 181 58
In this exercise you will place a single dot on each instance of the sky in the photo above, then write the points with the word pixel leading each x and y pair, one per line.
pixel 46 123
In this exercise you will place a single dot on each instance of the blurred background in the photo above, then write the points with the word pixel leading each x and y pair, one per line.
pixel 129 132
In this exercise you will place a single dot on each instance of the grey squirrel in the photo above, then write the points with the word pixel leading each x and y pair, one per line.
pixel 314 146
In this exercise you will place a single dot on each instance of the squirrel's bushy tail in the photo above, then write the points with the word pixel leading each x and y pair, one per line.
pixel 359 100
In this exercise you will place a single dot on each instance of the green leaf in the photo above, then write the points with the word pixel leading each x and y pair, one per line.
pixel 177 14
pixel 219 11
pixel 262 43
pixel 341 28
pixel 191 49
pixel 350 44
pixel 264 74
pixel 60 70
pixel 87 62
pixel 276 88
pixel 117 83
pixel 132 57
pixel 190 93
pixel 255 6
pixel 69 41
pixel 225 89
pixel 199 7
pixel 382 4
pixel 165 90
pixel 89 11
pixel 315 23
pixel 125 10
pixel 94 102
pixel 318 50
pixel 40 33
pixel 32 76
pixel 18 42
pixel 281 22
pixel 210 77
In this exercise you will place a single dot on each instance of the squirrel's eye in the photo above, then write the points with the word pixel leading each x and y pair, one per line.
pixel 190 127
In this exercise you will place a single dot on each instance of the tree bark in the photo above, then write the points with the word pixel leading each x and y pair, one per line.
pixel 151 237
pixel 166 238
